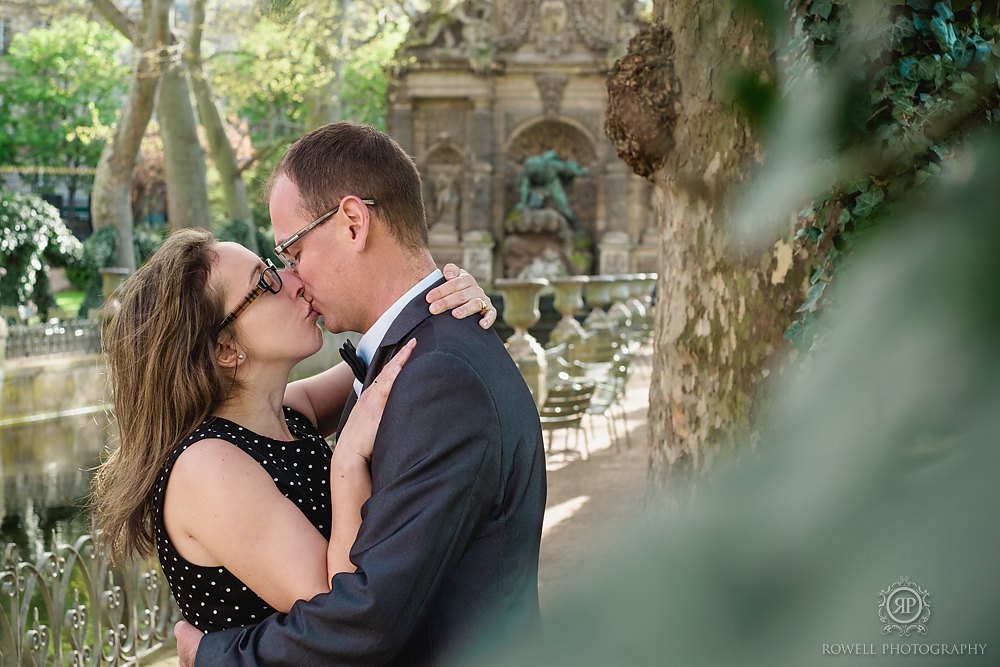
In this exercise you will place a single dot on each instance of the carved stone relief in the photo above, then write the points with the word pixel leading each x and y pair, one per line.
pixel 440 122
pixel 517 18
pixel 555 24
pixel 551 34
pixel 551 86
pixel 591 24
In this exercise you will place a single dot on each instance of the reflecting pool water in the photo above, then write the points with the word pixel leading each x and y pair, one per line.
pixel 45 472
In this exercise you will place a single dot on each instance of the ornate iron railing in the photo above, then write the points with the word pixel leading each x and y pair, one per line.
pixel 70 607
pixel 62 337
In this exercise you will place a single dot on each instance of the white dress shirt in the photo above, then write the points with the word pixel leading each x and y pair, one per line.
pixel 372 339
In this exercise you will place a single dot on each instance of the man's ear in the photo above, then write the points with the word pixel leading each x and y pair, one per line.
pixel 227 356
pixel 359 221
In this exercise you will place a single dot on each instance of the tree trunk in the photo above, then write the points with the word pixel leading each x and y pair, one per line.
pixel 720 313
pixel 234 188
pixel 325 105
pixel 111 203
pixel 184 159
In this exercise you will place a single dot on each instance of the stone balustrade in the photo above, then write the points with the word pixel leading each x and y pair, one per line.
pixel 62 337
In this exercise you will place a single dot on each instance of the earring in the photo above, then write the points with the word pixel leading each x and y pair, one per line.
pixel 241 356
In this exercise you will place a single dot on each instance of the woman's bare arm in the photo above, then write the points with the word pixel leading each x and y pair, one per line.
pixel 222 508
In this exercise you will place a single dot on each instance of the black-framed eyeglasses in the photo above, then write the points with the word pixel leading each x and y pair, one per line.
pixel 270 281
pixel 280 250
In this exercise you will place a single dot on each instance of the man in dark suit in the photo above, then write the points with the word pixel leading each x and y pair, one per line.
pixel 450 537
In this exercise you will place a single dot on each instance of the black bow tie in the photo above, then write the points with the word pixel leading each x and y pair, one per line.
pixel 357 365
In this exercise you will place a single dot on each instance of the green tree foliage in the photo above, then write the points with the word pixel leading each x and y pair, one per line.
pixel 298 64
pixel 61 96
pixel 100 251
pixel 32 237
pixel 265 82
pixel 268 81
pixel 365 80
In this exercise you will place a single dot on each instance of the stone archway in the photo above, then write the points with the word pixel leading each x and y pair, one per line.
pixel 575 249
pixel 571 143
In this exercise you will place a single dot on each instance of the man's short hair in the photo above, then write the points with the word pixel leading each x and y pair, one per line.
pixel 346 158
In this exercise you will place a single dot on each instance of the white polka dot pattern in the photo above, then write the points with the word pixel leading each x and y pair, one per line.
pixel 212 598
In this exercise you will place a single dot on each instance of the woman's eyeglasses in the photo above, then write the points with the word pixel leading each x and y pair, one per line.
pixel 270 281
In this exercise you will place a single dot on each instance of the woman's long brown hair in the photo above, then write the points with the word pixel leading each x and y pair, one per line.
pixel 161 350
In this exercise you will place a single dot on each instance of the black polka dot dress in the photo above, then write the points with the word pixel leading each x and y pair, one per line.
pixel 212 598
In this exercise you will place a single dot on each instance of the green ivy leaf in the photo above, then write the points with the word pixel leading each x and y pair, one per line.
pixel 822 8
pixel 809 232
pixel 812 297
pixel 867 201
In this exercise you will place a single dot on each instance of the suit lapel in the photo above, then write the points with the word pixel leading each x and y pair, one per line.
pixel 408 319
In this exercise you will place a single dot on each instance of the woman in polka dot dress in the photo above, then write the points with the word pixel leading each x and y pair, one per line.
pixel 222 464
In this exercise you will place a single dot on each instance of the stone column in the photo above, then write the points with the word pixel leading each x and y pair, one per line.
pixel 520 311
pixel 617 195
pixel 111 279
pixel 401 126
pixel 482 130
pixel 615 250
pixel 480 189
pixel 477 255
pixel 480 178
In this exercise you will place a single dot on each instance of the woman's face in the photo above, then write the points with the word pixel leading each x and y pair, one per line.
pixel 278 326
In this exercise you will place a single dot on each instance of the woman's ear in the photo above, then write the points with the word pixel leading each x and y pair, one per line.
pixel 227 356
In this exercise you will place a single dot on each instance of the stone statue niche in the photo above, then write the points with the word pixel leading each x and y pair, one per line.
pixel 444 182
pixel 541 228
pixel 443 185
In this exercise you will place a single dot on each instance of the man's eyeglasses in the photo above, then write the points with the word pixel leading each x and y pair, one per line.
pixel 281 249
pixel 270 281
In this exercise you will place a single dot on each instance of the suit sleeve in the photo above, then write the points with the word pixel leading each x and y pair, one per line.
pixel 436 473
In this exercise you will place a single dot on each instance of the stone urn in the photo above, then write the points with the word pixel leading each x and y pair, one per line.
pixel 520 311
pixel 636 289
pixel 598 295
pixel 619 314
pixel 111 279
pixel 569 299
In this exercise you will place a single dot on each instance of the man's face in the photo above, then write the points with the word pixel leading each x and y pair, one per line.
pixel 319 257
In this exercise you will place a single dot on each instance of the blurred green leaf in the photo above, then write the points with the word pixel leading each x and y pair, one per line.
pixel 867 201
